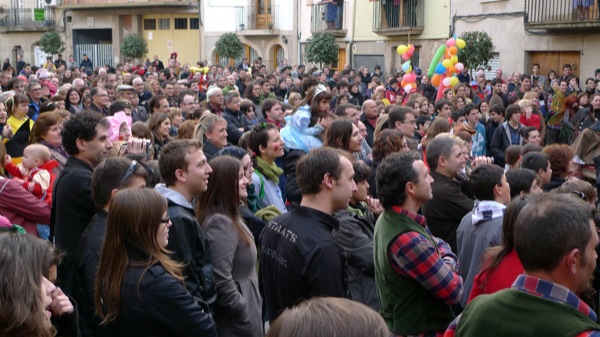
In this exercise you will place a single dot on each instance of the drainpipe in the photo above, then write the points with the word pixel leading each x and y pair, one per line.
pixel 351 43
pixel 298 30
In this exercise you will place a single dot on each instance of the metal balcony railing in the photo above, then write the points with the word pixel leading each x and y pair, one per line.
pixel 329 17
pixel 560 11
pixel 24 18
pixel 389 18
pixel 564 16
pixel 251 18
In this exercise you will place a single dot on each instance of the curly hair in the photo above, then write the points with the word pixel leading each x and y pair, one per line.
pixel 83 126
pixel 560 156
pixel 388 142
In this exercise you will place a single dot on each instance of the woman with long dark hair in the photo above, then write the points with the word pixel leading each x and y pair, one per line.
pixel 139 288
pixel 30 302
pixel 73 101
pixel 232 248
pixel 160 124
pixel 343 134
pixel 253 94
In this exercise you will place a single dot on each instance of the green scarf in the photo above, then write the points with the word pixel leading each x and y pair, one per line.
pixel 271 171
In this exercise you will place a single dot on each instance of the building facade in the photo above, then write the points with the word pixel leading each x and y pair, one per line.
pixel 548 32
pixel 380 26
pixel 22 23
pixel 267 28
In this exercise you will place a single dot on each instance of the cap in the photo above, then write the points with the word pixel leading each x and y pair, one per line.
pixel 418 71
pixel 124 87
pixel 233 151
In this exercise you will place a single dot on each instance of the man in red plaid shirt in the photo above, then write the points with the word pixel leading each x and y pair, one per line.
pixel 415 272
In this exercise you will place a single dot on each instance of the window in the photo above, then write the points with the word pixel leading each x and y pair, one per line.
pixel 194 23
pixel 164 24
pixel 181 23
pixel 149 24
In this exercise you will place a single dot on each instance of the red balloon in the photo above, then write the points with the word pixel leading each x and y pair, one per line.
pixel 405 57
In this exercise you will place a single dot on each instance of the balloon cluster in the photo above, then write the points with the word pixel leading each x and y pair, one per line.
pixel 409 80
pixel 443 74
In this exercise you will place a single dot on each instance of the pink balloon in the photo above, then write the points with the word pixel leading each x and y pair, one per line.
pixel 408 88
pixel 411 47
pixel 406 78
pixel 451 42
pixel 446 81
pixel 405 57
pixel 413 77
pixel 459 66
pixel 409 53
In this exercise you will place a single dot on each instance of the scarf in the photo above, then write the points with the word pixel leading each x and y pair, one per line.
pixel 271 171
pixel 487 210
pixel 59 149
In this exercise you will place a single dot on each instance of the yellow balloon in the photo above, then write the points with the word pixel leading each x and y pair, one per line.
pixel 402 49
pixel 454 59
pixel 460 43
pixel 453 81
pixel 446 63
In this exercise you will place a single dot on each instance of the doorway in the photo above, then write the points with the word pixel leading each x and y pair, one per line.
pixel 263 14
pixel 554 60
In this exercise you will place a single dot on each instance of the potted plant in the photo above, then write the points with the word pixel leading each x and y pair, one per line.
pixel 270 25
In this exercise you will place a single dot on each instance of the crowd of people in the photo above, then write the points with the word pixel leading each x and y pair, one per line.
pixel 145 200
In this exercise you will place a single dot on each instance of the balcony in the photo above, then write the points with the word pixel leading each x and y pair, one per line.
pixel 117 4
pixel 406 18
pixel 561 16
pixel 25 19
pixel 251 21
pixel 329 17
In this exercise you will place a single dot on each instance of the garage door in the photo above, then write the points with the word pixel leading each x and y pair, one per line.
pixel 370 61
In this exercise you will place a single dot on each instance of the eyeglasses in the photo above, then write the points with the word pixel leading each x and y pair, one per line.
pixel 579 194
pixel 413 122
pixel 130 171
pixel 165 220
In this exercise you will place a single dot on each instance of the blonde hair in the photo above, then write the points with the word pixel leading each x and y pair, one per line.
pixel 206 124
pixel 524 103
pixel 40 151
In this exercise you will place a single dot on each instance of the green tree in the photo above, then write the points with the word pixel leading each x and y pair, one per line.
pixel 479 50
pixel 51 43
pixel 229 45
pixel 322 48
pixel 134 46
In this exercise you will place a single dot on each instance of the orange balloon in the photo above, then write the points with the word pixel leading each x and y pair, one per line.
pixel 452 50
pixel 452 69
pixel 403 84
pixel 436 79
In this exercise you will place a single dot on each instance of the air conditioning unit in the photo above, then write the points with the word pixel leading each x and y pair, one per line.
pixel 51 2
